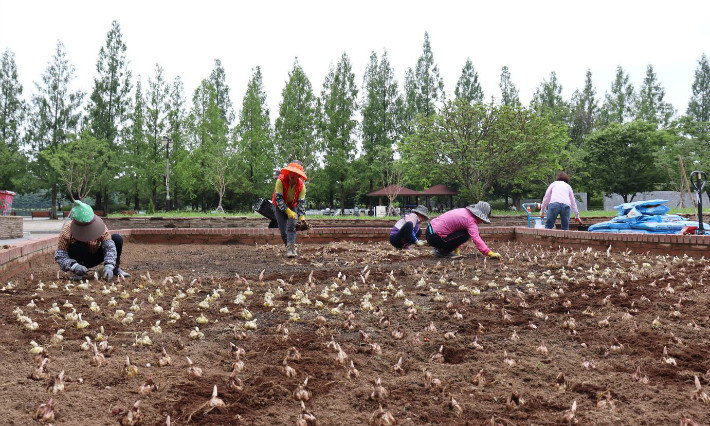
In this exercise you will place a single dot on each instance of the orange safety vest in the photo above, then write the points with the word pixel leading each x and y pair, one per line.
pixel 284 183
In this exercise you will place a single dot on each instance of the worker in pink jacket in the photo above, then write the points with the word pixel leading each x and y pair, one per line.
pixel 447 232
pixel 559 198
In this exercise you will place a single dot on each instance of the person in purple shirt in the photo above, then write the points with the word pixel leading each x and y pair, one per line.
pixel 447 232
pixel 559 198
pixel 406 231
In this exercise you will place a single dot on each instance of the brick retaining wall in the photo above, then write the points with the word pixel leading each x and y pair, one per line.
pixel 672 244
pixel 19 257
pixel 258 222
pixel 10 227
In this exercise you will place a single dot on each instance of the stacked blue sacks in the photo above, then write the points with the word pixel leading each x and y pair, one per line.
pixel 644 217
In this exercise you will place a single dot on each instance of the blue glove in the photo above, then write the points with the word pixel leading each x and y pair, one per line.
pixel 79 269
pixel 108 272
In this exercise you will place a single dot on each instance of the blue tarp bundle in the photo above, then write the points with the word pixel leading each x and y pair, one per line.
pixel 644 217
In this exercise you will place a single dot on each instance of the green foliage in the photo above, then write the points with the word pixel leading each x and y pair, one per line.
pixel 12 106
pixel 338 104
pixel 134 156
pixel 468 87
pixel 177 131
pixel 218 78
pixel 699 105
pixel 618 104
pixel 109 104
pixel 650 105
pixel 584 111
pixel 54 118
pixel 509 93
pixel 548 101
pixel 13 169
pixel 212 154
pixel 623 158
pixel 110 100
pixel 424 87
pixel 13 161
pixel 76 164
pixel 296 124
pixel 151 207
pixel 156 124
pixel 382 114
pixel 477 146
pixel 255 144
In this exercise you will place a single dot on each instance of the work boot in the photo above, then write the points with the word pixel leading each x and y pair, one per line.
pixel 291 250
pixel 437 253
pixel 122 273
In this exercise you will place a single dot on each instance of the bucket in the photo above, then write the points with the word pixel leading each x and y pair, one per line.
pixel 538 223
pixel 6 202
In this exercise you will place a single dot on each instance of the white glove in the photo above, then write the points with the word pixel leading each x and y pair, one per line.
pixel 419 243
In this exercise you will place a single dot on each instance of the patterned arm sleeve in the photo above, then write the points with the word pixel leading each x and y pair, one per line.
pixel 109 252
pixel 61 257
pixel 301 206
pixel 279 195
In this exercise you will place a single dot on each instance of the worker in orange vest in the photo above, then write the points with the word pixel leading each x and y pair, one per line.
pixel 289 202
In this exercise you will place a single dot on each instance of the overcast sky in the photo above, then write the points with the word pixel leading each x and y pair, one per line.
pixel 531 37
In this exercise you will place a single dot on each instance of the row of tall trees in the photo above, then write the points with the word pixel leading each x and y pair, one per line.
pixel 110 145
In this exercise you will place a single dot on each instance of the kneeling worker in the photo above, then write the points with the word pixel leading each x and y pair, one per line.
pixel 85 242
pixel 447 232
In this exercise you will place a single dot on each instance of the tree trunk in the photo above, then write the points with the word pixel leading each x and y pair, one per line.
pixel 369 199
pixel 342 198
pixel 53 211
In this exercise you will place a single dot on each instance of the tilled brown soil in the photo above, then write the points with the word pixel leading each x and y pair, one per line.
pixel 512 342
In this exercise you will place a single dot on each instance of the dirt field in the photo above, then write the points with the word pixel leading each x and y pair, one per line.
pixel 512 342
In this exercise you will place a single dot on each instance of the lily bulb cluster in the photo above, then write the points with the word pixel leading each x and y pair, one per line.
pixel 192 371
pixel 45 412
pixel 41 372
pixel 26 321
pixel 306 418
pixel 382 418
pixel 302 393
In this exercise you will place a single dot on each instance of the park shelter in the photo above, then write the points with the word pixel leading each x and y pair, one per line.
pixel 439 191
pixel 397 190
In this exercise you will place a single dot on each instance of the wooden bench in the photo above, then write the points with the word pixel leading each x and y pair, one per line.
pixel 129 212
pixel 41 213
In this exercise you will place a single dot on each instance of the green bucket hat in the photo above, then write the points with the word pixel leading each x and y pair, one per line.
pixel 85 225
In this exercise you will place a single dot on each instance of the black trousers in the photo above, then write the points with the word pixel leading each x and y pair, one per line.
pixel 403 237
pixel 448 244
pixel 79 251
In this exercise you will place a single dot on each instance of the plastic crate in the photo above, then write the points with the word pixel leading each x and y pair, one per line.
pixel 6 202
